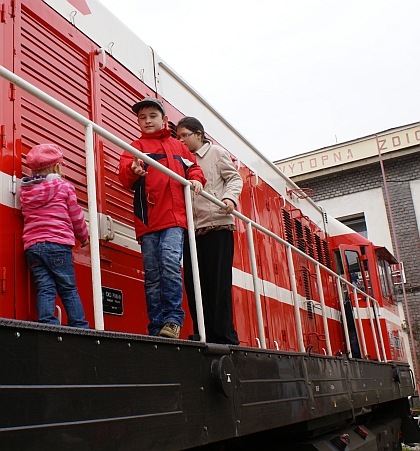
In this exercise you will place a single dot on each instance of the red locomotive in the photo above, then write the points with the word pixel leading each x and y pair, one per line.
pixel 305 285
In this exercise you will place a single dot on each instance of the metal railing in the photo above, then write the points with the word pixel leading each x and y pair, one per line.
pixel 90 127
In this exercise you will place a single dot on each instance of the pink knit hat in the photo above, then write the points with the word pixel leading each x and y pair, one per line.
pixel 44 156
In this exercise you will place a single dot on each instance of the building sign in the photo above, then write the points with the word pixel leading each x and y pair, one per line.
pixel 351 151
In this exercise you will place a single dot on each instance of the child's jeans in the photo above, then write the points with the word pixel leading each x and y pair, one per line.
pixel 162 254
pixel 52 268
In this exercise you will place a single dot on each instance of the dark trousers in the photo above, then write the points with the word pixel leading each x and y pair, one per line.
pixel 215 259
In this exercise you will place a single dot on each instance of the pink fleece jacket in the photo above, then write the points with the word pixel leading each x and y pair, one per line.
pixel 51 212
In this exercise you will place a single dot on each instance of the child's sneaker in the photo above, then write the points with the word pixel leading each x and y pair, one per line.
pixel 170 330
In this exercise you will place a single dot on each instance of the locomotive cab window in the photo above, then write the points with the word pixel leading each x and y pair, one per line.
pixel 339 264
pixel 355 269
pixel 385 277
pixel 367 277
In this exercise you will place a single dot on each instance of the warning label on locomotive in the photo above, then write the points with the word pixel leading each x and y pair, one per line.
pixel 112 301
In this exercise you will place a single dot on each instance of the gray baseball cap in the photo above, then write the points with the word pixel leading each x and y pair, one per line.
pixel 148 101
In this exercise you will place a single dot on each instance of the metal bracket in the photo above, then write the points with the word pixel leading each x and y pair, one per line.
pixel 102 64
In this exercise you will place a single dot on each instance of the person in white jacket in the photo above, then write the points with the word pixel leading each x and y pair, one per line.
pixel 214 227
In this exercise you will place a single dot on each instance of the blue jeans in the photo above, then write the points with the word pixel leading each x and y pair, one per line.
pixel 162 254
pixel 52 268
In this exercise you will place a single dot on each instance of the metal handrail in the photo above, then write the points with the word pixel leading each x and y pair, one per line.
pixel 91 127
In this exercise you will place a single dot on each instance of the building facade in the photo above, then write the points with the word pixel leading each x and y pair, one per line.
pixel 372 184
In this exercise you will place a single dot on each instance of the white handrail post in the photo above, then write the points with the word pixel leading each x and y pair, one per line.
pixel 257 292
pixel 372 326
pixel 359 320
pixel 295 298
pixel 378 325
pixel 93 230
pixel 343 315
pixel 194 265
pixel 324 315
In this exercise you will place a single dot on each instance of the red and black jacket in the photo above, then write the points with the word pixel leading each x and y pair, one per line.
pixel 158 199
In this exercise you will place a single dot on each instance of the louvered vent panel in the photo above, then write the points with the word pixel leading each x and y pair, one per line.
pixel 117 97
pixel 300 244
pixel 326 254
pixel 57 65
pixel 172 128
pixel 288 226
pixel 310 309
pixel 306 283
pixel 309 242
pixel 318 248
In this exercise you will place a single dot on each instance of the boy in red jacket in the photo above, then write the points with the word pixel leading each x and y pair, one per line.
pixel 159 213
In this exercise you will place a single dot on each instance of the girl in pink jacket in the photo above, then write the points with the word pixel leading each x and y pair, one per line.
pixel 52 219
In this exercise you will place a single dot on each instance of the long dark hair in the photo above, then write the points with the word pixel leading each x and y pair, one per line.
pixel 194 125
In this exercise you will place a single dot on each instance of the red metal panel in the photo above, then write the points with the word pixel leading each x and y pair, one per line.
pixel 6 118
pixel 267 260
pixel 244 308
pixel 122 269
pixel 12 269
pixel 244 316
pixel 54 56
pixel 6 104
pixel 281 314
pixel 241 257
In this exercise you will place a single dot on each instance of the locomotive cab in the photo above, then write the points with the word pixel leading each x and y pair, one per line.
pixel 370 298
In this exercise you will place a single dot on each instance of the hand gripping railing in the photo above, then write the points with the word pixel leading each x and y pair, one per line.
pixel 91 127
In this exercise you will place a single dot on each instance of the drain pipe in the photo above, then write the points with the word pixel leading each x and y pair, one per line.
pixel 397 251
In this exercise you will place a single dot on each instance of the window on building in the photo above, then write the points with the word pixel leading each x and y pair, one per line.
pixel 356 222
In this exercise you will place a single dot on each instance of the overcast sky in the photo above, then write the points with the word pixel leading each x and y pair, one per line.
pixel 292 76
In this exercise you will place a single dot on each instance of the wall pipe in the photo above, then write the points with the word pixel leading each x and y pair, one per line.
pixel 397 251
